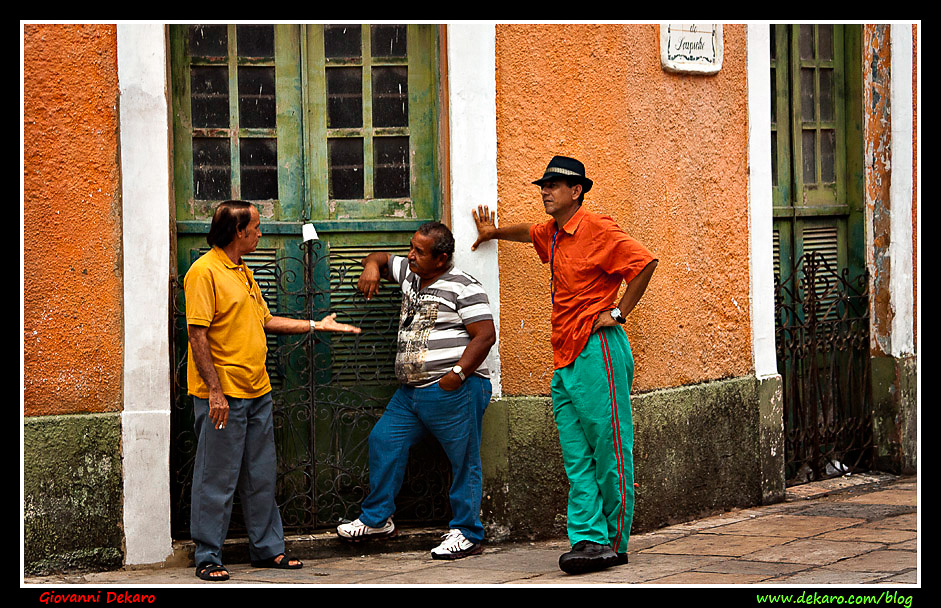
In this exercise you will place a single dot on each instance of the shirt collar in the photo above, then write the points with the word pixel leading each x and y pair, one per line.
pixel 225 258
pixel 572 225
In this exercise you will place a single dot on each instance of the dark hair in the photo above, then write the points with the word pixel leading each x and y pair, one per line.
pixel 443 239
pixel 229 218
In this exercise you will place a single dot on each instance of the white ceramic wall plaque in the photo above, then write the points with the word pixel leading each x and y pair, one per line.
pixel 691 48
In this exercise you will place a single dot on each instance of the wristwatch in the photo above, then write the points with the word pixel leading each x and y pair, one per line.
pixel 457 369
pixel 617 316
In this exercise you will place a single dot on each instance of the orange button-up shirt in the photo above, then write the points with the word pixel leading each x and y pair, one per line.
pixel 589 259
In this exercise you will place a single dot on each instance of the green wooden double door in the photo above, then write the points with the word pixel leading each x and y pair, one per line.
pixel 819 247
pixel 336 126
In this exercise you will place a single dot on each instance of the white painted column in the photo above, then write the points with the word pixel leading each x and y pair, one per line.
pixel 761 245
pixel 145 183
pixel 472 107
pixel 901 296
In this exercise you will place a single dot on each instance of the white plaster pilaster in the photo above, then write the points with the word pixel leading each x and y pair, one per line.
pixel 473 157
pixel 761 258
pixel 145 195
pixel 901 296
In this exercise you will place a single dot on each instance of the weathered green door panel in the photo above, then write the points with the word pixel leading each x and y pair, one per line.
pixel 816 141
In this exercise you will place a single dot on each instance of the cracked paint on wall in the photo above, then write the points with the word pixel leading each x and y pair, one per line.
pixel 878 171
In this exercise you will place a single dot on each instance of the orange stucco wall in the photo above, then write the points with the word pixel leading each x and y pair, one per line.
pixel 668 155
pixel 72 267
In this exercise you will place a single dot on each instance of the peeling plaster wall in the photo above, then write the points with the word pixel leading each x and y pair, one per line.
pixel 877 149
pixel 72 266
pixel 890 179
pixel 668 155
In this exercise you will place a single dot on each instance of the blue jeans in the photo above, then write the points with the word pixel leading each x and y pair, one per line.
pixel 239 457
pixel 454 418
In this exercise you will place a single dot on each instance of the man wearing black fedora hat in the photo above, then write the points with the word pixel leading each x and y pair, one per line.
pixel 589 256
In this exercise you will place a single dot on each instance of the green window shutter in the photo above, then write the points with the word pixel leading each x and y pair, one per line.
pixel 817 102
pixel 372 124
pixel 236 102
pixel 809 133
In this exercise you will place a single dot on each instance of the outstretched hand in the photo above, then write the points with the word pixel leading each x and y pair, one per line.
pixel 329 323
pixel 486 225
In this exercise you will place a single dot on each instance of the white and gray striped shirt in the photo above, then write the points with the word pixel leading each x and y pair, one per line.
pixel 432 332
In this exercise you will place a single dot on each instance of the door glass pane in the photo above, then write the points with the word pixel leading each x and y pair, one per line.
pixel 828 156
pixel 255 41
pixel 209 99
pixel 827 101
pixel 342 41
pixel 256 97
pixel 259 168
pixel 774 97
pixel 808 156
pixel 774 158
pixel 808 110
pixel 345 158
pixel 825 42
pixel 806 42
pixel 389 41
pixel 390 96
pixel 207 41
pixel 212 177
pixel 344 97
pixel 391 167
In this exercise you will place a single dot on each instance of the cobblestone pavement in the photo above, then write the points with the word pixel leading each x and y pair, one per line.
pixel 854 531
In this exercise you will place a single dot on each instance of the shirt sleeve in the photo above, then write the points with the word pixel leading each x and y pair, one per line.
pixel 541 236
pixel 473 305
pixel 620 254
pixel 398 269
pixel 200 294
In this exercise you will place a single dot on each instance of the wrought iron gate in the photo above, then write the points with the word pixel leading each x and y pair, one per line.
pixel 328 391
pixel 822 337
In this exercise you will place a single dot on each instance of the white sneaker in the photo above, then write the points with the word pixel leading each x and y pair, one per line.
pixel 357 530
pixel 455 546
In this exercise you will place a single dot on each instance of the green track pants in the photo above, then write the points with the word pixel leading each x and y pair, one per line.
pixel 592 406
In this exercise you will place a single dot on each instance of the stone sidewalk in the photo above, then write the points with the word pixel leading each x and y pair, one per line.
pixel 858 530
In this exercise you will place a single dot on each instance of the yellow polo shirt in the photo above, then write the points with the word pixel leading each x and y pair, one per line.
pixel 224 297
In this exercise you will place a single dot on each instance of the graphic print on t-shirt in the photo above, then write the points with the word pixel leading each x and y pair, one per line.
pixel 418 317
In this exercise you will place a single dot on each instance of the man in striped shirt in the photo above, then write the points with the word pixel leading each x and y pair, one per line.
pixel 445 332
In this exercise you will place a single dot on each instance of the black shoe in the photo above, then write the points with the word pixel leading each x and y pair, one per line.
pixel 622 558
pixel 587 556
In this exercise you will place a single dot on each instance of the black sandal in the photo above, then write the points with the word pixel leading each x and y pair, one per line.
pixel 206 570
pixel 284 564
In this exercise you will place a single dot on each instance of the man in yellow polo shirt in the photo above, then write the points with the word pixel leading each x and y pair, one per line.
pixel 228 318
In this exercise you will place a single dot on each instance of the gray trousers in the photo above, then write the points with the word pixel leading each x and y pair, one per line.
pixel 239 457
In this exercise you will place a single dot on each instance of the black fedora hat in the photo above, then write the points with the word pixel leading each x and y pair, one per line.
pixel 565 168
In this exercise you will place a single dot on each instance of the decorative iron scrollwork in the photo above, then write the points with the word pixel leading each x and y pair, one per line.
pixel 328 392
pixel 822 338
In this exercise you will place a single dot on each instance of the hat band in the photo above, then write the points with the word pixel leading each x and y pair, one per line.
pixel 562 171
